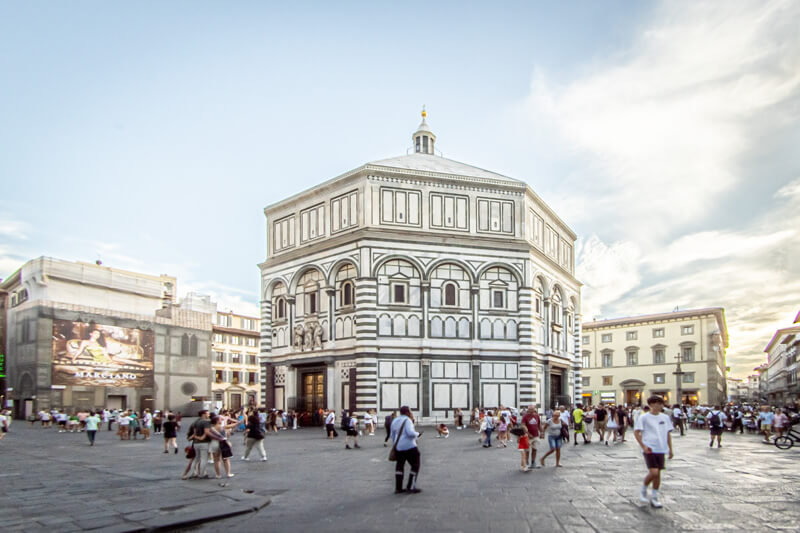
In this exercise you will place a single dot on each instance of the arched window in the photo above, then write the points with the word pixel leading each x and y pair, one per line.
pixel 450 294
pixel 279 303
pixel 345 287
pixel 347 294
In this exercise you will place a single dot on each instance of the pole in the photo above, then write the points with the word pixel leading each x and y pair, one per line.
pixel 678 380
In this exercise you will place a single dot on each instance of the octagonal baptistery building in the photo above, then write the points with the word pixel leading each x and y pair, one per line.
pixel 419 281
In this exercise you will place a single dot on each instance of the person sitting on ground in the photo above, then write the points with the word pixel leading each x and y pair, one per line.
pixel 442 431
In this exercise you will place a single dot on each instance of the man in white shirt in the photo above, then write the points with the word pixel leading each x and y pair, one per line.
pixel 677 420
pixel 405 437
pixel 330 422
pixel 652 432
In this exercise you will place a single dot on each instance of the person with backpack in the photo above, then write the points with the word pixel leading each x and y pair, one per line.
pixel 254 437
pixel 351 430
pixel 716 421
pixel 579 428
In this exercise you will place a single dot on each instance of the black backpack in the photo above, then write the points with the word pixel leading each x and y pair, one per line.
pixel 713 421
pixel 345 422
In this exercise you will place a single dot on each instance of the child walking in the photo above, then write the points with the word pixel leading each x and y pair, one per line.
pixel 502 432
pixel 524 445
pixel 652 432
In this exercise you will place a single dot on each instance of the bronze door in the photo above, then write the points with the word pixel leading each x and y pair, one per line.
pixel 313 392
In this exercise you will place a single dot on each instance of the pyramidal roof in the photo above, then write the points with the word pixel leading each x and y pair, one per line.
pixel 441 165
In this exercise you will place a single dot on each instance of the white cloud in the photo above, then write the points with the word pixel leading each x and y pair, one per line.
pixel 655 136
pixel 663 129
pixel 607 272
pixel 708 245
pixel 15 229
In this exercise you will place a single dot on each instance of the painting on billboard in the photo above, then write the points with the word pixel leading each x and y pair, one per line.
pixel 87 353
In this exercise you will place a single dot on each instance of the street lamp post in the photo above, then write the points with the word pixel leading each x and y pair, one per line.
pixel 679 380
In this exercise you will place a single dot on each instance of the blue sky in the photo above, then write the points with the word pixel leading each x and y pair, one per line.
pixel 151 135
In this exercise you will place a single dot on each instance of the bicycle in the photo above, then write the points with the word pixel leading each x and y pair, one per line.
pixel 788 440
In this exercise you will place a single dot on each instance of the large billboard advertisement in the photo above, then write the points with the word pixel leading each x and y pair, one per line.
pixel 87 353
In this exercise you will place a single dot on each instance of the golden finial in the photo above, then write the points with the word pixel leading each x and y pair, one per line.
pixel 424 113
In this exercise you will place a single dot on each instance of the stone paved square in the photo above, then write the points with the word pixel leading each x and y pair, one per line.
pixel 56 482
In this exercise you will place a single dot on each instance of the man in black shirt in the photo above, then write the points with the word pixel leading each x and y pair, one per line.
pixel 600 421
pixel 201 440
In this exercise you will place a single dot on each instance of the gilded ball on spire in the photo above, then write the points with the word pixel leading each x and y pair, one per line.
pixel 424 113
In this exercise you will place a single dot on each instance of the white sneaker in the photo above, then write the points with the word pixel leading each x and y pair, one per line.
pixel 245 458
pixel 263 459
pixel 655 503
pixel 643 496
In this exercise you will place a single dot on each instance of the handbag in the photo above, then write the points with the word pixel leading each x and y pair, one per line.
pixel 564 431
pixel 393 452
pixel 190 452
pixel 225 449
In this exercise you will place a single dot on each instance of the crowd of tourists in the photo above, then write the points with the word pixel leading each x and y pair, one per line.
pixel 210 437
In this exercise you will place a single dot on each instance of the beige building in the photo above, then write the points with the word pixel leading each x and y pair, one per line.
pixel 627 359
pixel 235 360
pixel 782 384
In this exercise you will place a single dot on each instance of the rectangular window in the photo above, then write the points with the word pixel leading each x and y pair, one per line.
pixel 658 378
pixel 535 229
pixel 565 255
pixel 633 358
pixel 236 358
pixel 495 216
pixel 252 341
pixel 688 377
pixel 399 369
pixel 218 376
pixel 585 339
pixel 450 396
pixel 252 378
pixel 608 360
pixel 586 361
pixel 399 291
pixel 496 394
pixel 394 395
pixel 399 206
pixel 312 223
pixel 606 337
pixel 449 211
pixel 219 357
pixel 312 303
pixel 218 337
pixel 251 360
pixel 687 330
pixel 283 231
pixel 630 335
pixel 586 381
pixel 235 339
pixel 498 299
pixel 608 380
pixel 551 243
pixel 658 333
pixel 687 354
pixel 658 356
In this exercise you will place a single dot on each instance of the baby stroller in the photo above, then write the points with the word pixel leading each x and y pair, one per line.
pixel 793 435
